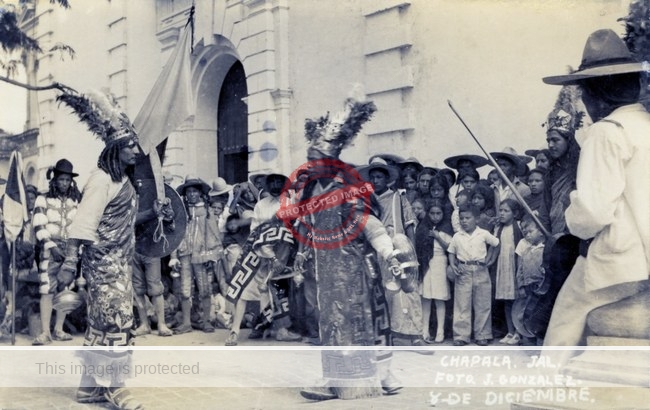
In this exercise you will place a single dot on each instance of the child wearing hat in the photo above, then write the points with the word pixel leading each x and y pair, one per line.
pixel 54 211
pixel 195 253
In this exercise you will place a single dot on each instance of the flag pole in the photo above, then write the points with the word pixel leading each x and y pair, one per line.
pixel 13 293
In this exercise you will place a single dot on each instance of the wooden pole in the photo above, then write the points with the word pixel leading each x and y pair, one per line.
pixel 503 175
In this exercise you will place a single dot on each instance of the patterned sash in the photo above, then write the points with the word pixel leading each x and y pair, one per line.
pixel 248 264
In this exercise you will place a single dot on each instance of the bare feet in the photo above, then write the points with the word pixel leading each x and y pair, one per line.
pixel 142 330
pixel 164 331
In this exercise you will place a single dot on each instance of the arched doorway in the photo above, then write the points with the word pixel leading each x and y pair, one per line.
pixel 232 126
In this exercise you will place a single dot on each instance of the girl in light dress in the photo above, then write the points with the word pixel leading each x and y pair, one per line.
pixel 433 236
pixel 509 234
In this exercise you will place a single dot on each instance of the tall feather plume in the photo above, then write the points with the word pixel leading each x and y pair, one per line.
pixel 99 110
pixel 84 109
pixel 333 133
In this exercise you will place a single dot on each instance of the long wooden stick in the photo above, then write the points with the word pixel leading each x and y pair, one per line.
pixel 14 273
pixel 502 174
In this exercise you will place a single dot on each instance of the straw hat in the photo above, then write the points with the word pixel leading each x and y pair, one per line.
pixel 413 162
pixel 511 155
pixel 219 187
pixel 389 159
pixel 379 163
pixel 191 180
pixel 478 161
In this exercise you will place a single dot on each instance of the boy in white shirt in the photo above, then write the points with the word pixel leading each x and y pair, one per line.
pixel 472 287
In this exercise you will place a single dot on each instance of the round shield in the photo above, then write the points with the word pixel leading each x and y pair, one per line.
pixel 408 263
pixel 148 239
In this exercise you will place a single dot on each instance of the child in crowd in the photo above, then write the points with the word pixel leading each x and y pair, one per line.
pixel 509 234
pixel 463 199
pixel 536 200
pixel 170 305
pixel 409 185
pixel 418 210
pixel 468 179
pixel 472 287
pixel 195 252
pixel 530 250
pixel 493 178
pixel 217 206
pixel 483 199
pixel 439 189
pixel 433 236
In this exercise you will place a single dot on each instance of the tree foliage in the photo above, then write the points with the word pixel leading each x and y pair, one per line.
pixel 12 38
pixel 637 29
pixel 637 38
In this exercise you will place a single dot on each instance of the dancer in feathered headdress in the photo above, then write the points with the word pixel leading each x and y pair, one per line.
pixel 561 125
pixel 327 137
pixel 105 225
pixel 353 308
pixel 102 114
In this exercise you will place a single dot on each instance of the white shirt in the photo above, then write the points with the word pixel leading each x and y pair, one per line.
pixel 612 200
pixel 265 209
pixel 472 247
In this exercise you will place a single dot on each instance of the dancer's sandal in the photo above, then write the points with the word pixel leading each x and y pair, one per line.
pixel 42 339
pixel 122 399
pixel 61 336
pixel 318 393
pixel 182 329
pixel 91 394
pixel 232 339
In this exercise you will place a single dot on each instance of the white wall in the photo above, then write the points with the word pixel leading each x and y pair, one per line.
pixel 486 56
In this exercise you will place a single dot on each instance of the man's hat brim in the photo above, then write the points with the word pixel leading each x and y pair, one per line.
pixel 274 175
pixel 520 164
pixel 253 177
pixel 203 186
pixel 478 161
pixel 593 72
pixel 413 163
pixel 393 172
pixel 221 191
pixel 387 157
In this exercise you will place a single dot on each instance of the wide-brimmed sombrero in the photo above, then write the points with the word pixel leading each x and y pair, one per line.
pixel 253 177
pixel 379 163
pixel 411 162
pixel 274 175
pixel 478 161
pixel 605 53
pixel 220 187
pixel 194 181
pixel 511 155
pixel 391 159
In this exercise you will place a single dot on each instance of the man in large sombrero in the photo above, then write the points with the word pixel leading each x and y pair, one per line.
pixel 610 209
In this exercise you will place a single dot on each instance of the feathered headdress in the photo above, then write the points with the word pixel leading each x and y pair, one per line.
pixel 102 114
pixel 330 135
pixel 565 117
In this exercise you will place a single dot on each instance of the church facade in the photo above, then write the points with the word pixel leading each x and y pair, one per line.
pixel 260 67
